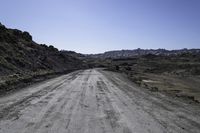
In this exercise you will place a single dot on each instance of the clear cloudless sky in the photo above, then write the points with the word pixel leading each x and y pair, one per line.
pixel 95 26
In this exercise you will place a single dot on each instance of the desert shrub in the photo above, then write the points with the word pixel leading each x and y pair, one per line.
pixel 2 27
pixel 2 48
pixel 2 86
pixel 44 45
pixel 31 45
pixel 17 32
pixel 124 64
pixel 52 48
pixel 128 68
pixel 4 63
pixel 195 70
pixel 1 39
pixel 27 36
pixel 10 39
pixel 27 80
pixel 8 59
pixel 117 67
pixel 20 62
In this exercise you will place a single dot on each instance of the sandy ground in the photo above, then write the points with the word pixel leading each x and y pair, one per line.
pixel 95 101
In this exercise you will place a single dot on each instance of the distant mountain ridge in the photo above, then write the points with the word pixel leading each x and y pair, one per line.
pixel 138 52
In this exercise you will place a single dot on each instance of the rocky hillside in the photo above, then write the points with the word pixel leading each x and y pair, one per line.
pixel 139 52
pixel 22 58
pixel 74 54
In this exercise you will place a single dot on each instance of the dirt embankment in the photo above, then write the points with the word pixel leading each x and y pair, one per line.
pixel 12 83
pixel 23 61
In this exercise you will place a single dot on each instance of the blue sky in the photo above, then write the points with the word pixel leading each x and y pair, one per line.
pixel 95 26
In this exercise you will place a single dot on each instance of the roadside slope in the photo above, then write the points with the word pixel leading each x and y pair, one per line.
pixel 22 59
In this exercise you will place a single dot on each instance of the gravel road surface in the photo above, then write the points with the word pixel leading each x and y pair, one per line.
pixel 95 101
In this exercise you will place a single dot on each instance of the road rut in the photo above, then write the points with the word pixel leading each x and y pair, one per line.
pixel 95 101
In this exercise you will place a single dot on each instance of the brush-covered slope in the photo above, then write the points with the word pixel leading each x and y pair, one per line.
pixel 21 56
pixel 19 53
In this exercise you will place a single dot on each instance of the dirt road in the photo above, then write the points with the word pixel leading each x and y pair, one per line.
pixel 95 101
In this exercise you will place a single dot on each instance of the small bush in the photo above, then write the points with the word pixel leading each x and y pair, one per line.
pixel 27 36
pixel 52 48
pixel 128 68
pixel 117 68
